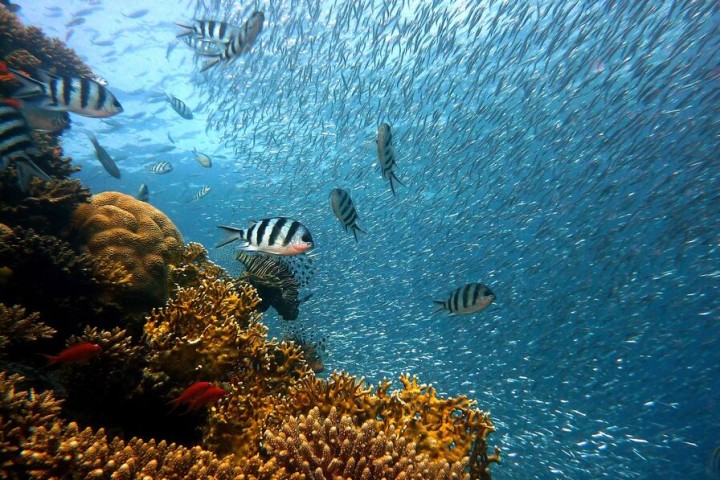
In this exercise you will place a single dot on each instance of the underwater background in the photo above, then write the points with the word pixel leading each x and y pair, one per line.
pixel 566 154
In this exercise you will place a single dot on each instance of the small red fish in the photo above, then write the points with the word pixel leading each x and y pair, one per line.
pixel 190 393
pixel 208 396
pixel 77 353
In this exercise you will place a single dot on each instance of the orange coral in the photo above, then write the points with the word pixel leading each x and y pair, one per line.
pixel 119 228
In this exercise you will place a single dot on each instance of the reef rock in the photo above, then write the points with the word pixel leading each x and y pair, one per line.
pixel 121 229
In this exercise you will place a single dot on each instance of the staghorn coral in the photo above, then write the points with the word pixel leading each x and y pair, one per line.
pixel 119 228
pixel 314 446
pixel 17 326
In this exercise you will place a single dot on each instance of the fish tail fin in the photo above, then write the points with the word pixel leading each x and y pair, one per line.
pixel 210 63
pixel 440 306
pixel 355 230
pixel 188 30
pixel 26 169
pixel 233 234
pixel 51 359
pixel 29 87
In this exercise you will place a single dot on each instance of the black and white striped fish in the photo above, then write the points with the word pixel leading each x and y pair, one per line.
pixel 344 210
pixel 104 157
pixel 161 168
pixel 241 43
pixel 386 155
pixel 279 236
pixel 202 47
pixel 179 106
pixel 209 31
pixel 16 146
pixel 470 298
pixel 204 190
pixel 78 95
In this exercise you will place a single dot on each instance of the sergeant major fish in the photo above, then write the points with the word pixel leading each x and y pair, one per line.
pixel 470 298
pixel 78 95
pixel 344 210
pixel 16 145
pixel 279 236
pixel 209 31
pixel 386 155
pixel 241 43
pixel 161 168
pixel 104 157
pixel 179 106
pixel 200 193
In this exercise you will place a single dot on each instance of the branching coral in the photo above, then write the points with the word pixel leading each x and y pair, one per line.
pixel 119 228
pixel 36 443
pixel 193 266
pixel 17 326
pixel 315 446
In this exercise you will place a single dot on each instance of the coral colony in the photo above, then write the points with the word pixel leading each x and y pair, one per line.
pixel 125 353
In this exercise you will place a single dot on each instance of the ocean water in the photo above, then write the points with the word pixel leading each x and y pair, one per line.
pixel 566 154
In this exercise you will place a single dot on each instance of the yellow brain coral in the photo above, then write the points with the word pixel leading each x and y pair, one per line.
pixel 118 228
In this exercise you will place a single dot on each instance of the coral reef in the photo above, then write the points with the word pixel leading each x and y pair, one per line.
pixel 335 446
pixel 49 277
pixel 119 228
pixel 17 326
pixel 27 47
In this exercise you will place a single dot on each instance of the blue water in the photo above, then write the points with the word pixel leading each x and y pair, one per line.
pixel 565 154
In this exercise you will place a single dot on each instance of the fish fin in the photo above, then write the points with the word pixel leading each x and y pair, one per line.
pixel 30 87
pixel 26 169
pixel 440 304
pixel 210 63
pixel 249 248
pixel 234 234
pixel 394 177
pixel 355 230
pixel 188 30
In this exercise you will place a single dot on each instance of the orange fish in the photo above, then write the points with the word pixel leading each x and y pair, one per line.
pixel 198 395
pixel 210 395
pixel 77 353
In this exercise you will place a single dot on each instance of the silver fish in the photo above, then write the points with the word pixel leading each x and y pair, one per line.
pixel 104 157
pixel 470 298
pixel 344 210
pixel 279 236
pixel 202 159
pixel 143 193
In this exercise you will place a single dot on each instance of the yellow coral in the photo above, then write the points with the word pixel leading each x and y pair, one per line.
pixel 118 228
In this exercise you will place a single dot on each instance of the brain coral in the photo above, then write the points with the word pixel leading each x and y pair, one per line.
pixel 117 227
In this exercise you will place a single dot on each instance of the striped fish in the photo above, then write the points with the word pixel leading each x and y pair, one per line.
pixel 241 43
pixel 78 95
pixel 16 146
pixel 161 168
pixel 209 31
pixel 104 157
pixel 201 47
pixel 204 190
pixel 279 236
pixel 470 298
pixel 179 106
pixel 344 210
pixel 386 155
